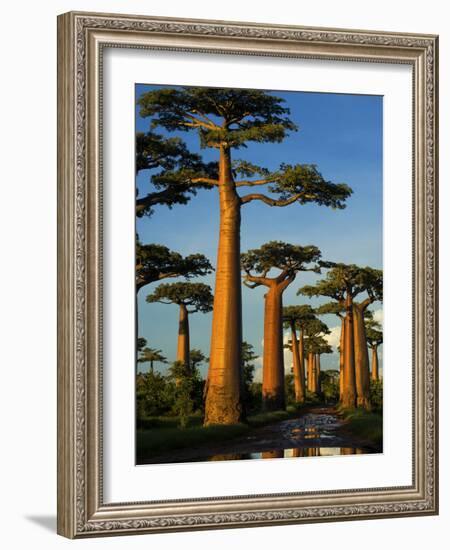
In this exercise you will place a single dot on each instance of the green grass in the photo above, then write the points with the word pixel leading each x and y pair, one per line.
pixel 157 435
pixel 363 424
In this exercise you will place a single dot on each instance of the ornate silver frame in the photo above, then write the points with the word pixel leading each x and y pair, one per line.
pixel 81 510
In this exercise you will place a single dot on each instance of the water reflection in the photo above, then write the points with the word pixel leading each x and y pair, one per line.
pixel 293 453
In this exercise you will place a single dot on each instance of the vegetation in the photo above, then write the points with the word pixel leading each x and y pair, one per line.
pixel 226 120
pixel 179 408
pixel 287 260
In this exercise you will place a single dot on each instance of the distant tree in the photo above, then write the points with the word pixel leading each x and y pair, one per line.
pixel 287 260
pixel 337 309
pixel 183 405
pixel 296 318
pixel 155 262
pixel 315 345
pixel 343 283
pixel 140 344
pixel 248 372
pixel 149 355
pixel 374 336
pixel 226 120
pixel 329 383
pixel 191 298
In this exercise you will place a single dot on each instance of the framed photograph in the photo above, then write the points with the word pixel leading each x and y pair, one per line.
pixel 247 278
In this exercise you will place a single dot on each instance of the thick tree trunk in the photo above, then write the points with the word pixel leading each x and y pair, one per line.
pixel 151 367
pixel 183 338
pixel 362 371
pixel 223 400
pixel 273 361
pixel 349 389
pixel 341 359
pixel 299 387
pixel 319 389
pixel 312 371
pixel 301 351
pixel 375 368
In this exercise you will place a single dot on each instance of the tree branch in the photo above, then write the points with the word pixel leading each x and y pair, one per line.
pixel 248 183
pixel 269 200
pixel 209 181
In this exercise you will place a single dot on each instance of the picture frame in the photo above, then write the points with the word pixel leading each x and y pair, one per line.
pixel 82 41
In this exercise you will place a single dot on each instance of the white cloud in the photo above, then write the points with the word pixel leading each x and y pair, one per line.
pixel 334 338
pixel 378 316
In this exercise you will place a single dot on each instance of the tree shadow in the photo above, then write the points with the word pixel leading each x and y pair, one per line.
pixel 46 522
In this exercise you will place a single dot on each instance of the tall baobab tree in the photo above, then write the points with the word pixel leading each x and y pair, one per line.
pixel 190 297
pixel 374 336
pixel 150 355
pixel 343 283
pixel 295 318
pixel 225 120
pixel 287 260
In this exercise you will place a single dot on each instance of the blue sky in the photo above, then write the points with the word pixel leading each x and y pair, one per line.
pixel 342 134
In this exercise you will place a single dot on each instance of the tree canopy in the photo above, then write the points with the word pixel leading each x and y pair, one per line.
pixel 155 262
pixel 177 166
pixel 149 355
pixel 342 280
pixel 229 119
pixel 287 258
pixel 299 315
pixel 195 296
pixel 374 334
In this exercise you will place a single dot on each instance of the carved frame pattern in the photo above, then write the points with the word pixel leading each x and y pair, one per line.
pixel 81 37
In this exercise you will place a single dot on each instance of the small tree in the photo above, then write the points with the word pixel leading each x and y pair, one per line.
pixel 191 298
pixel 315 345
pixel 248 371
pixel 183 405
pixel 287 260
pixel 150 355
pixel 374 337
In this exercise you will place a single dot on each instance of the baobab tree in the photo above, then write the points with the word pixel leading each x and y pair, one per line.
pixel 225 120
pixel 287 260
pixel 374 336
pixel 155 262
pixel 168 160
pixel 343 283
pixel 190 297
pixel 295 318
pixel 150 355
pixel 315 330
pixel 336 309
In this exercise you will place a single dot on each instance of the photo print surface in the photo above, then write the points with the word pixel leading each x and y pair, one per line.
pixel 259 282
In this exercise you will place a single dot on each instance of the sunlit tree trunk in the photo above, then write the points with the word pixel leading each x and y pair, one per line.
pixel 312 365
pixel 273 360
pixel 301 350
pixel 318 372
pixel 309 366
pixel 278 453
pixel 349 389
pixel 299 380
pixel 375 367
pixel 362 371
pixel 223 400
pixel 341 359
pixel 183 337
